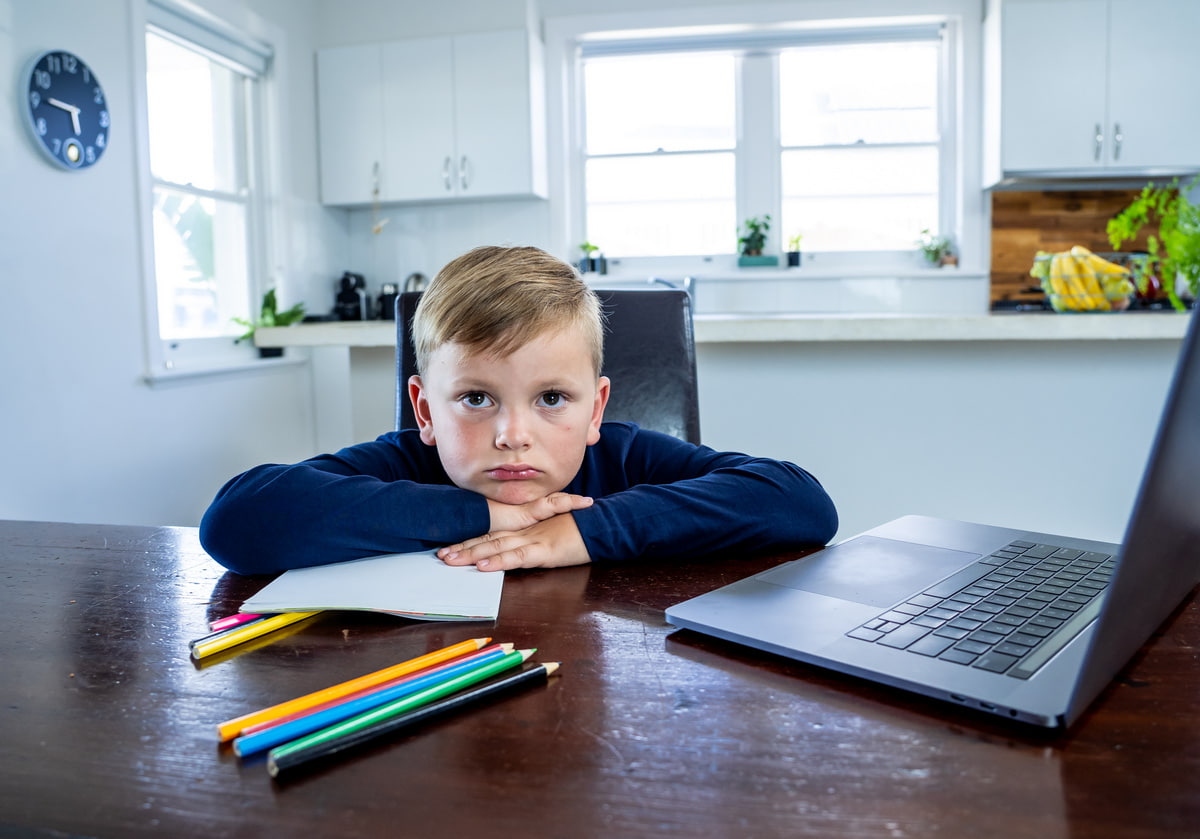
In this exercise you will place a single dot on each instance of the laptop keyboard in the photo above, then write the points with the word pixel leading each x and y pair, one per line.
pixel 1009 613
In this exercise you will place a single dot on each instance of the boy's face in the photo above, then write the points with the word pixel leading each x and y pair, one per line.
pixel 513 429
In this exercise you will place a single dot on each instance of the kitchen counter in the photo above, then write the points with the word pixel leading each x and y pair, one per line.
pixel 717 329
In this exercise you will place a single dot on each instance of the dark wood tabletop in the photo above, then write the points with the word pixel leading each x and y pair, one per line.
pixel 109 729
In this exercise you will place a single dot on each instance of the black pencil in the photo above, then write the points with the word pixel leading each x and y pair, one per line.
pixel 281 764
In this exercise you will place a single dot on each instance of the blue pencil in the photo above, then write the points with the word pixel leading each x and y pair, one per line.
pixel 249 744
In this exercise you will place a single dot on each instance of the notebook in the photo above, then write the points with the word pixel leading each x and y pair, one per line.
pixel 1028 626
pixel 413 585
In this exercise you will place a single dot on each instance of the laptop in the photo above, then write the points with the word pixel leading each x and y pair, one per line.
pixel 1027 626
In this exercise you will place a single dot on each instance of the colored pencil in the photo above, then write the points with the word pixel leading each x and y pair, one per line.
pixel 241 634
pixel 232 620
pixel 254 742
pixel 232 728
pixel 487 653
pixel 287 759
pixel 217 633
pixel 408 703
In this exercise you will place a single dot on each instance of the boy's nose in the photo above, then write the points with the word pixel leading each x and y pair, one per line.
pixel 512 431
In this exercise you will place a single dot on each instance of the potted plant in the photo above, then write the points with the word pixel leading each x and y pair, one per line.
pixel 1173 248
pixel 269 316
pixel 754 240
pixel 793 251
pixel 592 259
pixel 937 250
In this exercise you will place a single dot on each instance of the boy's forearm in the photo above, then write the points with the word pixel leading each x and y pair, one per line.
pixel 275 518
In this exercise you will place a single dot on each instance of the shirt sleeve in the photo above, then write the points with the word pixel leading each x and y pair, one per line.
pixel 387 496
pixel 676 499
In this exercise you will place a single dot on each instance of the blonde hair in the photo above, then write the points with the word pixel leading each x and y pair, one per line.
pixel 495 299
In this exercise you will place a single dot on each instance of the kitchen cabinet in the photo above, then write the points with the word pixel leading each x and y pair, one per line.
pixel 1090 88
pixel 433 119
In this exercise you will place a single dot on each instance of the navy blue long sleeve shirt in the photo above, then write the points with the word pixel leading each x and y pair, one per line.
pixel 654 496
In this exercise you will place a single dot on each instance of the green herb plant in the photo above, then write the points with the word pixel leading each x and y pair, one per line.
pixel 269 316
pixel 934 247
pixel 794 242
pixel 754 239
pixel 1174 250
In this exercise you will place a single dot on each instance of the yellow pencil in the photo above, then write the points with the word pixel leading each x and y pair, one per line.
pixel 232 728
pixel 233 637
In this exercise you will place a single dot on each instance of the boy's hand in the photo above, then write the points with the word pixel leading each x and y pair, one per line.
pixel 505 517
pixel 550 543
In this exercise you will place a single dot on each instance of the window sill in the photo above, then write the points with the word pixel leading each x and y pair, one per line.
pixel 183 376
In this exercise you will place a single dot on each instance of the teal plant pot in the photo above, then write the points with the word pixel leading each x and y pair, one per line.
pixel 757 261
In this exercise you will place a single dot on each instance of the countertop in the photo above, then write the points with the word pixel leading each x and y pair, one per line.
pixel 717 329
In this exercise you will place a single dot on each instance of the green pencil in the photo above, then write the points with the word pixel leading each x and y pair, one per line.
pixel 400 706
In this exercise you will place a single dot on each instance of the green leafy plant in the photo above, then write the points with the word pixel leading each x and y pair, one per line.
pixel 794 242
pixel 1174 249
pixel 754 239
pixel 588 248
pixel 269 315
pixel 934 247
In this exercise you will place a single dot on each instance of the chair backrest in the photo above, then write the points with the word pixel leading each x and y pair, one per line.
pixel 649 354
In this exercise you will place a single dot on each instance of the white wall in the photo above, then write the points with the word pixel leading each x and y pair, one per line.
pixel 85 438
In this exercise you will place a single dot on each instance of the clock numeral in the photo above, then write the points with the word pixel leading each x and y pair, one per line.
pixel 35 99
pixel 90 154
pixel 54 64
pixel 104 119
pixel 98 96
pixel 100 141
pixel 42 78
pixel 70 63
pixel 57 145
pixel 41 126
pixel 87 75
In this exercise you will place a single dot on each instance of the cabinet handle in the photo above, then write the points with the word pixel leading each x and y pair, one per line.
pixel 449 184
pixel 1099 143
pixel 1117 138
pixel 463 172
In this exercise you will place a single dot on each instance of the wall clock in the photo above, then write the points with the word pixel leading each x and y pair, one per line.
pixel 67 110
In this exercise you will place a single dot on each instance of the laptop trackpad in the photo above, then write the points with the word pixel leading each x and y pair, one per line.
pixel 867 569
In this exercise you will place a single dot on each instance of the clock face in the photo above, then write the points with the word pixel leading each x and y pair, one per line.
pixel 67 110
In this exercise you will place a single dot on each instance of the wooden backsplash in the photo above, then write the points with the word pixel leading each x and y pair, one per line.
pixel 1024 223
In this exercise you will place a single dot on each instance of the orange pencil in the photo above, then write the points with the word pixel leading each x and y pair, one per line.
pixel 489 652
pixel 232 728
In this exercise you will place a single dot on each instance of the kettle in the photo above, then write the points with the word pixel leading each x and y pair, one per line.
pixel 416 282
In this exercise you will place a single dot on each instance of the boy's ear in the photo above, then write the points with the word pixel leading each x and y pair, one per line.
pixel 420 403
pixel 603 386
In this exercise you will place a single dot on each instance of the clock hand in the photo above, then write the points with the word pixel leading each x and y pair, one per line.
pixel 71 109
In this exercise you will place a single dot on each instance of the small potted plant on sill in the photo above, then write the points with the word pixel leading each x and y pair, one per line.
pixel 753 241
pixel 1173 247
pixel 593 260
pixel 793 251
pixel 937 250
pixel 269 315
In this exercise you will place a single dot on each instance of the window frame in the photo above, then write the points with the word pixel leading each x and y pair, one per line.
pixel 962 215
pixel 172 359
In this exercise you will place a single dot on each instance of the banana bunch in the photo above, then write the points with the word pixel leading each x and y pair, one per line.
pixel 1080 281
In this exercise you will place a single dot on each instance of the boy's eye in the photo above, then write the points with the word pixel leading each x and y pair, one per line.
pixel 476 400
pixel 552 399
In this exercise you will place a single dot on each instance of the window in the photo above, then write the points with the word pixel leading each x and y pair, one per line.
pixel 203 116
pixel 833 134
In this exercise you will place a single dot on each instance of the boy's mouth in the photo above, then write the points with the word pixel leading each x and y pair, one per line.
pixel 514 472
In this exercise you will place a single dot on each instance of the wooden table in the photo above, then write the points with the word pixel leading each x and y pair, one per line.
pixel 108 728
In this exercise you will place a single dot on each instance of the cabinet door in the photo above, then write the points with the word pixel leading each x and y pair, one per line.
pixel 1154 64
pixel 419 119
pixel 350 123
pixel 1053 71
pixel 494 115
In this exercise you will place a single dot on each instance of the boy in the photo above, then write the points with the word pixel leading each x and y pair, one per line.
pixel 511 466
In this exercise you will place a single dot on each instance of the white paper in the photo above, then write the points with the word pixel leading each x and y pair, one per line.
pixel 414 585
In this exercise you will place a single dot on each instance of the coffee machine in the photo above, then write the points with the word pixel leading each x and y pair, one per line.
pixel 351 302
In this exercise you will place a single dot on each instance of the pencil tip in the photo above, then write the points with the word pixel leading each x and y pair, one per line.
pixel 551 666
pixel 507 648
pixel 525 654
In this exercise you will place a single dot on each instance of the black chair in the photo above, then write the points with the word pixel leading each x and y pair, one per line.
pixel 649 355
